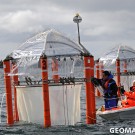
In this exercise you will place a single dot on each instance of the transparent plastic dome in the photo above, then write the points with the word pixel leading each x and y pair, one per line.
pixel 55 46
pixel 51 43
pixel 124 53
pixel 64 65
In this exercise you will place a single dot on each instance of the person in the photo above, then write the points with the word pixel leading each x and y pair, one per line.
pixel 130 101
pixel 109 89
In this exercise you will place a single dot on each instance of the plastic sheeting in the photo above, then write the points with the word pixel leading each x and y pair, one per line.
pixel 55 46
pixel 124 53
pixel 67 67
pixel 64 104
pixel 121 52
pixel 51 43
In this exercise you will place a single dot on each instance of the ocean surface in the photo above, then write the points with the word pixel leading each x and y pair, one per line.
pixel 102 127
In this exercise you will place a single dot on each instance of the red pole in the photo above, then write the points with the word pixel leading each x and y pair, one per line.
pixel 97 76
pixel 118 75
pixel 55 69
pixel 101 68
pixel 15 79
pixel 47 120
pixel 125 66
pixel 90 94
pixel 8 88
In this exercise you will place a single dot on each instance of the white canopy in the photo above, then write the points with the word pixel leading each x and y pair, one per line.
pixel 51 43
pixel 121 52
pixel 55 46
pixel 124 53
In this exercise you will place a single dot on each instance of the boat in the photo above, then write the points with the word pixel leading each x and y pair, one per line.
pixel 119 113
pixel 126 112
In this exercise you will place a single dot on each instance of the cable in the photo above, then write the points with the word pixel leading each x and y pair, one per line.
pixel 64 105
pixel 67 104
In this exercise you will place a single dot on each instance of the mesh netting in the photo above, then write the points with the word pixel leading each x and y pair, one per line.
pixel 64 104
pixel 64 60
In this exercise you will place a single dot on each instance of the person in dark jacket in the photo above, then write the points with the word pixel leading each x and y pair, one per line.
pixel 109 89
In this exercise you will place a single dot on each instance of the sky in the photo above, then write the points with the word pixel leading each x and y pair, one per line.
pixel 105 23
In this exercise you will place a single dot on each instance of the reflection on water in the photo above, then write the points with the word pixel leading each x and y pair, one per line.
pixel 1 105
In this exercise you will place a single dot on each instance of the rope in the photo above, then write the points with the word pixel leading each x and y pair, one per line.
pixel 90 118
pixel 64 105
pixel 67 104
pixel 66 69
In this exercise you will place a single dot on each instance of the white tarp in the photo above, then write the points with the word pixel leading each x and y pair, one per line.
pixel 121 52
pixel 64 104
pixel 124 53
pixel 50 42
pixel 54 45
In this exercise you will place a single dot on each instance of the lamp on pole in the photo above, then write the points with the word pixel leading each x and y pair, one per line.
pixel 77 19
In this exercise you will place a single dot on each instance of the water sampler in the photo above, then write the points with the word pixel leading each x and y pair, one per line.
pixel 43 80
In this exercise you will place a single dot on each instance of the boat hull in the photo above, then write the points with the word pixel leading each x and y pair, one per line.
pixel 118 114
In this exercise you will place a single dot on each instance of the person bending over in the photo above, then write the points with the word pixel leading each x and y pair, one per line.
pixel 109 89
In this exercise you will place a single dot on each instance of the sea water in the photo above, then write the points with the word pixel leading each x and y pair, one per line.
pixel 102 127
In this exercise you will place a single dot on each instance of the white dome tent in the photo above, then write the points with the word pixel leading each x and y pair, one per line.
pixel 52 43
pixel 121 52
pixel 51 66
pixel 126 55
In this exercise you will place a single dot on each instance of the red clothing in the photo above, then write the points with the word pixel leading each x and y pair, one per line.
pixel 130 97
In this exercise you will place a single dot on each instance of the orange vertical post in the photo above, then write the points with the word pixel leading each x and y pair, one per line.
pixel 125 66
pixel 55 70
pixel 101 66
pixel 15 79
pixel 90 93
pixel 8 88
pixel 97 76
pixel 118 75
pixel 45 87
